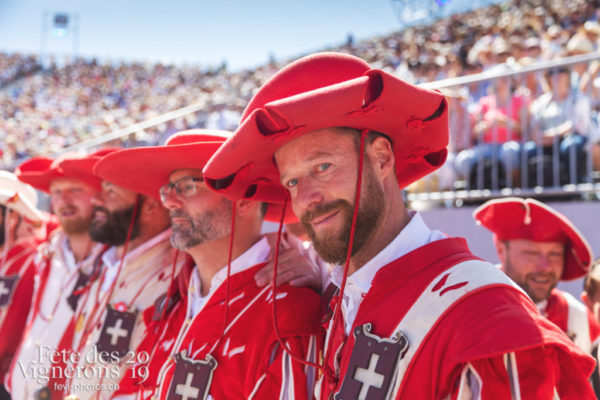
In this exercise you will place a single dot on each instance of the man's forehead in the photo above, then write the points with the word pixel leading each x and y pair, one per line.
pixel 62 183
pixel 107 185
pixel 314 144
pixel 182 173
pixel 528 243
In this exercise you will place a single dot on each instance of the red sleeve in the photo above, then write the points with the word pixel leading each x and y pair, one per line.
pixel 536 373
pixel 285 377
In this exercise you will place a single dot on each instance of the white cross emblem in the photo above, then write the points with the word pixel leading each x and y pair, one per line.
pixel 3 289
pixel 187 391
pixel 368 377
pixel 116 332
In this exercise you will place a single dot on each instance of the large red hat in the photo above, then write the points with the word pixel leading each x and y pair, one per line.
pixel 514 218
pixel 40 171
pixel 145 169
pixel 327 90
pixel 86 164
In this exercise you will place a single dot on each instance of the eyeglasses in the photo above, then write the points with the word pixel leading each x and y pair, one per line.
pixel 185 187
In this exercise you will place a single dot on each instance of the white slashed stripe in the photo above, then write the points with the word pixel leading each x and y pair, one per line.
pixel 470 385
pixel 577 323
pixel 510 362
pixel 311 356
pixel 257 386
pixel 287 378
pixel 431 305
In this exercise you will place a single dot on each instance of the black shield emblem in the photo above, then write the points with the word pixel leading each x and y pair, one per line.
pixel 192 378
pixel 116 331
pixel 7 287
pixel 372 365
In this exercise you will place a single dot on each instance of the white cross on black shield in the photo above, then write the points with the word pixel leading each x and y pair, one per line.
pixel 192 378
pixel 372 365
pixel 116 331
pixel 7 287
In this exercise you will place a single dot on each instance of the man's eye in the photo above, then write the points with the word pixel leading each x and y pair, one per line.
pixel 323 167
pixel 291 183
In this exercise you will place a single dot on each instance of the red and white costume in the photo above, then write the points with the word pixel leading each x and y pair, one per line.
pixel 17 273
pixel 572 317
pixel 429 320
pixel 145 275
pixel 248 361
pixel 50 315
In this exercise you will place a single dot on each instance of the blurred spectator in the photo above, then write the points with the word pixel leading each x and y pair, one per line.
pixel 561 122
pixel 497 125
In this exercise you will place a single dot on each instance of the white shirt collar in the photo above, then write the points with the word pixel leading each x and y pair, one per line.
pixel 414 235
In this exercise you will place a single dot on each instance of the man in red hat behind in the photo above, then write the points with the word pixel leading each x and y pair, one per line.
pixel 418 317
pixel 215 339
pixel 538 247
pixel 133 272
pixel 65 265
pixel 22 230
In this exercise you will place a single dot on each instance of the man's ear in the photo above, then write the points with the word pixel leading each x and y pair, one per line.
pixel 244 207
pixel 150 206
pixel 501 250
pixel 381 155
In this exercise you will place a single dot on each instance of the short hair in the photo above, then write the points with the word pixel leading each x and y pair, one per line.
pixel 263 208
pixel 591 284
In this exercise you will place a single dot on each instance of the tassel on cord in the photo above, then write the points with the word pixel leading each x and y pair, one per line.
pixel 340 296
pixel 274 308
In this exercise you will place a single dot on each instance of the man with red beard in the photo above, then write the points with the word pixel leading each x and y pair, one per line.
pixel 538 247
pixel 418 317
pixel 22 230
pixel 217 341
pixel 64 266
pixel 133 272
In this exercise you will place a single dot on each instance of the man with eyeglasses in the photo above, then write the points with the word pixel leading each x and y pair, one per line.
pixel 216 336
pixel 64 262
pixel 538 247
pixel 132 273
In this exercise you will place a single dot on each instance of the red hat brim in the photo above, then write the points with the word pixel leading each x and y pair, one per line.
pixel 39 172
pixel 83 168
pixel 274 211
pixel 414 119
pixel 515 218
pixel 146 169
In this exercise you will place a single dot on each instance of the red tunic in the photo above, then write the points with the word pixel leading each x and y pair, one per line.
pixel 491 340
pixel 249 362
pixel 19 266
pixel 573 318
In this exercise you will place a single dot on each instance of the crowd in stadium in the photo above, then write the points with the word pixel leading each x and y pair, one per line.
pixel 44 109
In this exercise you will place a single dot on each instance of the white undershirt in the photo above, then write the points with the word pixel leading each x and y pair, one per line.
pixel 414 235
pixel 111 261
pixel 256 254
pixel 68 255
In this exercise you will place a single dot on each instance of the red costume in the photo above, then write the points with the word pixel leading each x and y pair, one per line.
pixel 572 317
pixel 17 273
pixel 488 323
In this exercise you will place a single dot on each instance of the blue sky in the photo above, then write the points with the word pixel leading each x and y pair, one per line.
pixel 206 32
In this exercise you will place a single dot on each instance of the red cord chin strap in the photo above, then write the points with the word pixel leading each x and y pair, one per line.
pixel 274 308
pixel 340 296
pixel 129 232
pixel 229 257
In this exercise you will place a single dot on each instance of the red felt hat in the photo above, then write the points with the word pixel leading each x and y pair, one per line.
pixel 40 171
pixel 274 211
pixel 146 169
pixel 327 90
pixel 514 218
pixel 85 165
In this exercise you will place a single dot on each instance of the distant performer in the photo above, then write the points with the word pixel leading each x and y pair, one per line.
pixel 538 247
